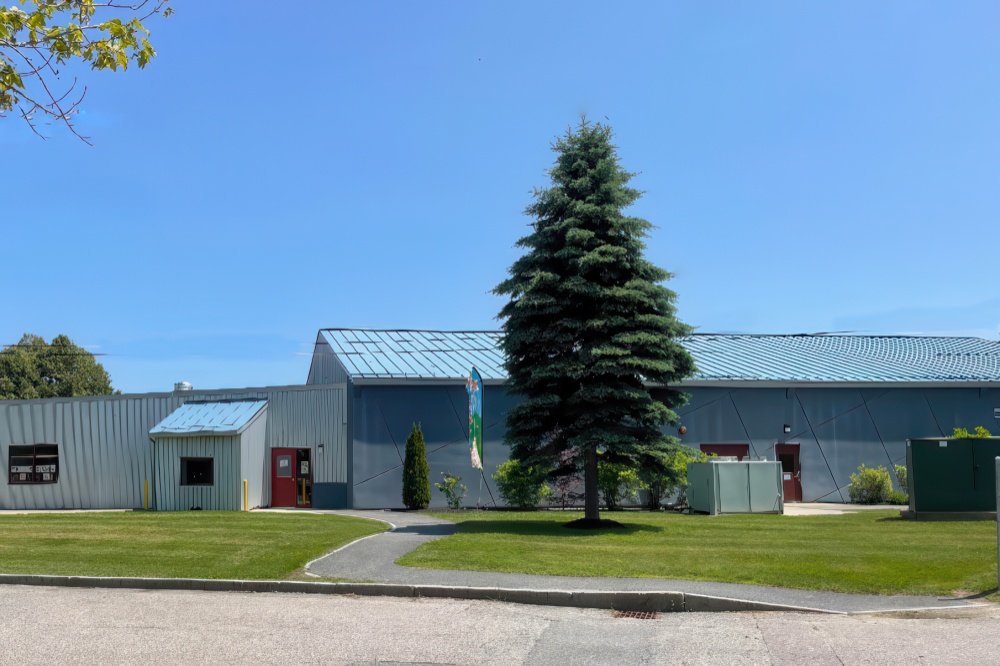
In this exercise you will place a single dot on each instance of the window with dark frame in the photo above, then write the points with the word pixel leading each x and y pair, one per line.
pixel 197 471
pixel 33 463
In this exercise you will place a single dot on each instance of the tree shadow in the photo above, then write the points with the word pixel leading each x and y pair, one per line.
pixel 979 595
pixel 427 530
pixel 547 528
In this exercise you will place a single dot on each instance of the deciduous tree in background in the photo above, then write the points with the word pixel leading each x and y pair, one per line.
pixel 589 325
pixel 40 38
pixel 34 368
pixel 416 472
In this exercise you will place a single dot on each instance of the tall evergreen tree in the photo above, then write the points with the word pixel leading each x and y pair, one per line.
pixel 416 472
pixel 589 325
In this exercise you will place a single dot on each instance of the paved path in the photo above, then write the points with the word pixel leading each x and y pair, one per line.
pixel 372 559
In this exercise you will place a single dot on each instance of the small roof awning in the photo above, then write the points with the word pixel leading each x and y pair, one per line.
pixel 209 418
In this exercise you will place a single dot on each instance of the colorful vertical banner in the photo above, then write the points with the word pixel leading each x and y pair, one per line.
pixel 474 387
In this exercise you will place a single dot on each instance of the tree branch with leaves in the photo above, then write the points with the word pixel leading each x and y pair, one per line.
pixel 38 38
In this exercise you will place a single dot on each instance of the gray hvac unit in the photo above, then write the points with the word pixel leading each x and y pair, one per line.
pixel 735 487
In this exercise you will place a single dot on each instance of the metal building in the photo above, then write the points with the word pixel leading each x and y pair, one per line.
pixel 819 404
pixel 210 455
pixel 99 452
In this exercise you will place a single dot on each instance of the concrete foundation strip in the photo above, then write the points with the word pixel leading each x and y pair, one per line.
pixel 663 602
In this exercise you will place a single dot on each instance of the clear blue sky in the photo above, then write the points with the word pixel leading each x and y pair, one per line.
pixel 280 168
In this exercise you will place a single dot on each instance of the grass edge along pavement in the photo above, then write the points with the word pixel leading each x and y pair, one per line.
pixel 869 552
pixel 200 544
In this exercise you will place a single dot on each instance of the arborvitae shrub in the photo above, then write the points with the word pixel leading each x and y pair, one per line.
pixel 416 472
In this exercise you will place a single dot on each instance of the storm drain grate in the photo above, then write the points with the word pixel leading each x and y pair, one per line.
pixel 638 615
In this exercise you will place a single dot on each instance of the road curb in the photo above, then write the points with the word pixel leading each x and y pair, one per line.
pixel 657 601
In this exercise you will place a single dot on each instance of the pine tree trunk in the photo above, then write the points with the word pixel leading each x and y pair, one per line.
pixel 591 501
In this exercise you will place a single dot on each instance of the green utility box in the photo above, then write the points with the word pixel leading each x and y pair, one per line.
pixel 735 487
pixel 952 478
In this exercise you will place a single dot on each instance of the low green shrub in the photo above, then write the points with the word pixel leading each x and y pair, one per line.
pixel 897 497
pixel 667 474
pixel 870 485
pixel 454 491
pixel 617 483
pixel 979 432
pixel 521 485
pixel 901 478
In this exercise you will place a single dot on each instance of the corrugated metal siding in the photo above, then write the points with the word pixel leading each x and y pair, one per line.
pixel 223 495
pixel 326 368
pixel 105 452
pixel 299 418
pixel 254 460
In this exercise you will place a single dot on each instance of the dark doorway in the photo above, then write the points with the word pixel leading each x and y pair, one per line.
pixel 791 471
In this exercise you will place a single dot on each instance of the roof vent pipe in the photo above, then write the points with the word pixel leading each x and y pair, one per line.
pixel 183 386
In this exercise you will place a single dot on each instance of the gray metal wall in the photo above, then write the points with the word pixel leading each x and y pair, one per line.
pixel 105 452
pixel 383 417
pixel 325 367
pixel 224 494
pixel 837 429
pixel 254 461
pixel 104 449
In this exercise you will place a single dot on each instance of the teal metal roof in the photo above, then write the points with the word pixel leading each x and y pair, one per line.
pixel 416 354
pixel 209 418
pixel 405 354
pixel 844 358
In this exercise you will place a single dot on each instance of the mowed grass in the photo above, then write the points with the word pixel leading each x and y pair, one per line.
pixel 865 552
pixel 198 544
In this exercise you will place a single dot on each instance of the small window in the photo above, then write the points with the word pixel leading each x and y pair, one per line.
pixel 197 471
pixel 33 463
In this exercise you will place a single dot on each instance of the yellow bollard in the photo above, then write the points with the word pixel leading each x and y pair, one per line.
pixel 145 495
pixel 246 496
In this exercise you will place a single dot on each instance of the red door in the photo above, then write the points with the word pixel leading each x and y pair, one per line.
pixel 791 471
pixel 291 477
pixel 741 451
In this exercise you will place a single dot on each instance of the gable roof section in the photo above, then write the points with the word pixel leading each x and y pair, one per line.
pixel 209 418
pixel 402 354
pixel 720 358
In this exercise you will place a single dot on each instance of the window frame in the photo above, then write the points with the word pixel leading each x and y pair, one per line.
pixel 47 451
pixel 184 481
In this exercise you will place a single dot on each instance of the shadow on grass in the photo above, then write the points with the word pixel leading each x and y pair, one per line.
pixel 546 528
pixel 427 530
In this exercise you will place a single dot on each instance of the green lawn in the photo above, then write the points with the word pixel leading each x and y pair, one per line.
pixel 868 551
pixel 208 544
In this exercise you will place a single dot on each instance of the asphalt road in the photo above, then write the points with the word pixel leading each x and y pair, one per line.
pixel 48 625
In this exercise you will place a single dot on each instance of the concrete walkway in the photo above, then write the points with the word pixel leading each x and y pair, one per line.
pixel 834 508
pixel 372 559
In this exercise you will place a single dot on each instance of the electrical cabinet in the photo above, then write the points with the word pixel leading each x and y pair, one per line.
pixel 735 487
